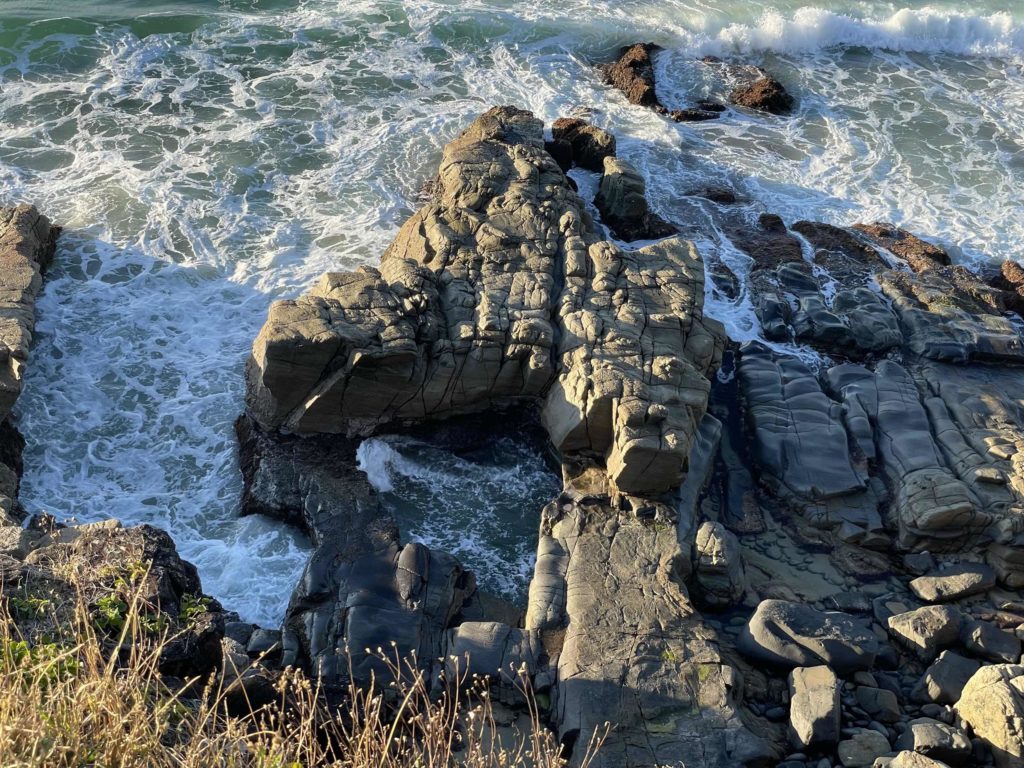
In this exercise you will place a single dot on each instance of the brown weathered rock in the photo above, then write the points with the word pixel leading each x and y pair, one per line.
pixel 633 74
pixel 766 94
pixel 918 253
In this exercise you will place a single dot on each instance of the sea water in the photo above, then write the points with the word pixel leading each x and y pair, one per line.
pixel 208 157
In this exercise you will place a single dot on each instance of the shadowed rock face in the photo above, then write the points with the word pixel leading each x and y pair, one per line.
pixel 499 291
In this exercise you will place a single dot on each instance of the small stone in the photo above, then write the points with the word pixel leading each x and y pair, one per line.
pixel 879 704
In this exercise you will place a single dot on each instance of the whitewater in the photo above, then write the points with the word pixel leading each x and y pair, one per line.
pixel 208 157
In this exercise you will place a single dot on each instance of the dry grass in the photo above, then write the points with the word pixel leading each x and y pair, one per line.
pixel 91 698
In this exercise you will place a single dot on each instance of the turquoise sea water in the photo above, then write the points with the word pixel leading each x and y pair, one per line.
pixel 207 157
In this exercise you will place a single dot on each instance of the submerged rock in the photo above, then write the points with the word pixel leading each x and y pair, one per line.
pixel 918 253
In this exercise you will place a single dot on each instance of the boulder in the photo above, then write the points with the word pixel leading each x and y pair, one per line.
pixel 621 199
pixel 814 708
pixel 936 740
pixel 926 630
pixel 791 634
pixel 633 74
pixel 718 566
pixel 489 649
pixel 992 704
pixel 765 94
pixel 590 144
pixel 944 680
pixel 990 642
pixel 954 583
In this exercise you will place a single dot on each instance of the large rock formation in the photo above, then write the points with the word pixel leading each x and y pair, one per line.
pixel 499 291
pixel 27 243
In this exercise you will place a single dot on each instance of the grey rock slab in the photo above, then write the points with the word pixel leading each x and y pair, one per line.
pixel 797 635
pixel 814 708
pixel 954 583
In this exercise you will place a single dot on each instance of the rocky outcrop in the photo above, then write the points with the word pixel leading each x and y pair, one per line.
pixel 633 74
pixel 108 567
pixel 764 94
pixel 590 145
pixel 627 645
pixel 919 254
pixel 622 201
pixel 27 244
pixel 499 291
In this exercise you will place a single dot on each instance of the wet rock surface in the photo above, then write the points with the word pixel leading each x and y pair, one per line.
pixel 807 559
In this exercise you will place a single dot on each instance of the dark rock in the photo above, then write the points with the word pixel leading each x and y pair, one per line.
pixel 795 635
pixel 945 679
pixel 561 151
pixel 990 642
pixel 693 115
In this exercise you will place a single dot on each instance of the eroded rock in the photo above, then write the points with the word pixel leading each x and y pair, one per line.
pixel 992 703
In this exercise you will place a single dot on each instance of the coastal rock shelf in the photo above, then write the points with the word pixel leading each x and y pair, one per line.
pixel 499 294
pixel 810 545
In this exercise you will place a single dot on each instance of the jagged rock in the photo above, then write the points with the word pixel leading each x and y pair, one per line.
pixel 718 566
pixel 1008 562
pixel 770 245
pixel 622 201
pixel 919 254
pixel 1011 280
pixel 988 641
pixel 590 144
pixel 838 249
pixel 814 707
pixel 992 704
pixel 795 635
pixel 693 115
pixel 936 740
pixel 633 74
pixel 861 749
pixel 945 679
pixel 954 583
pixel 631 649
pixel 766 94
pixel 926 630
pixel 720 195
pixel 469 304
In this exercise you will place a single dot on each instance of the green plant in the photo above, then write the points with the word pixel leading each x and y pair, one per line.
pixel 192 607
